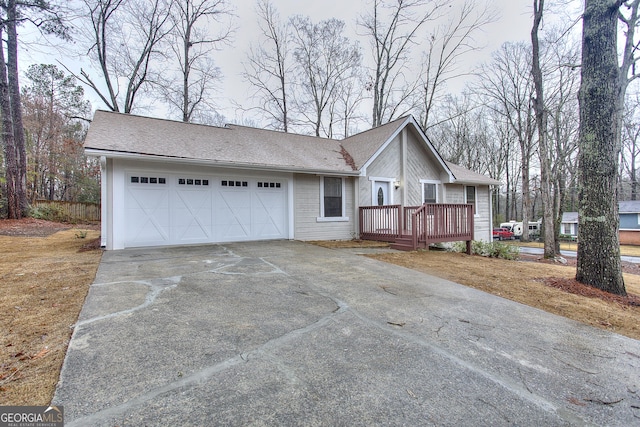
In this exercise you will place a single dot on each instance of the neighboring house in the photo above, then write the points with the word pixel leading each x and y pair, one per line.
pixel 629 212
pixel 569 224
pixel 629 228
pixel 173 183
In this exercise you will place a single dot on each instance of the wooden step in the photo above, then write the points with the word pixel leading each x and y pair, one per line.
pixel 404 243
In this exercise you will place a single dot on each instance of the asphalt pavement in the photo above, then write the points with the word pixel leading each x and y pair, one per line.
pixel 290 334
pixel 572 254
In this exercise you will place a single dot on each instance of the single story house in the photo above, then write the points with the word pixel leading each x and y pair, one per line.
pixel 569 224
pixel 629 211
pixel 173 183
pixel 628 230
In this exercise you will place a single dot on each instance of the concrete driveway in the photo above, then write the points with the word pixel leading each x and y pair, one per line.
pixel 286 333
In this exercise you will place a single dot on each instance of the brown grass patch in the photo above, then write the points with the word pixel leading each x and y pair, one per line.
pixel 43 282
pixel 533 284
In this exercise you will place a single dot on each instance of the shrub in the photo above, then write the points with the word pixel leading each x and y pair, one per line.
pixel 49 213
pixel 488 249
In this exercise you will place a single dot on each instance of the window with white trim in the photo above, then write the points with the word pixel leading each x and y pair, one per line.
pixel 332 197
pixel 470 197
pixel 429 191
pixel 332 201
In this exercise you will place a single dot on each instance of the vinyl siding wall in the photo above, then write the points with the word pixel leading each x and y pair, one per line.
pixel 418 164
pixel 386 165
pixel 455 194
pixel 307 210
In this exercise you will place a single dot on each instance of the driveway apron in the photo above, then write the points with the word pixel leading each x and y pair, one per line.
pixel 287 333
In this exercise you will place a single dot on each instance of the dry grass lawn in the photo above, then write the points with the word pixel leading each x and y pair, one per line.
pixel 43 283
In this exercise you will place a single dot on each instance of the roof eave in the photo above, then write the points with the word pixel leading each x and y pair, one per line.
pixel 96 152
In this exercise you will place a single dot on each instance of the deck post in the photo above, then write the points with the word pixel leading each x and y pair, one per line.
pixel 468 247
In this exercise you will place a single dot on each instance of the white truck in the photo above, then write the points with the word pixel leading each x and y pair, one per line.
pixel 516 228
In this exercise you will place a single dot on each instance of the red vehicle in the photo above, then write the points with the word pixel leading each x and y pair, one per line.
pixel 503 234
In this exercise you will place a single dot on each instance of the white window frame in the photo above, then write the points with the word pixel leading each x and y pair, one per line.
pixel 323 218
pixel 430 181
pixel 475 202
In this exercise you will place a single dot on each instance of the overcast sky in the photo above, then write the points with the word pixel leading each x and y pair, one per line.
pixel 513 24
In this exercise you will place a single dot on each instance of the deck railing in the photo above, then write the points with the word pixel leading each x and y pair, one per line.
pixel 434 223
pixel 381 222
pixel 426 224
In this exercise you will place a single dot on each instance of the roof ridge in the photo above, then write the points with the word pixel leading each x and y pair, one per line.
pixel 403 118
pixel 163 119
pixel 281 132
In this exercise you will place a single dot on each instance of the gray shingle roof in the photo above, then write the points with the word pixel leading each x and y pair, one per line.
pixel 466 176
pixel 363 146
pixel 241 146
pixel 629 206
pixel 231 145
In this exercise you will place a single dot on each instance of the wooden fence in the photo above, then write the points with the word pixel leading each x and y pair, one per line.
pixel 70 211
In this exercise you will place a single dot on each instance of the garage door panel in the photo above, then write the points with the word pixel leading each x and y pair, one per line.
pixel 147 216
pixel 269 215
pixel 233 216
pixel 191 218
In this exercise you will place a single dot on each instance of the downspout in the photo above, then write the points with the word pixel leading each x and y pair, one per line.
pixel 104 218
pixel 490 235
pixel 355 185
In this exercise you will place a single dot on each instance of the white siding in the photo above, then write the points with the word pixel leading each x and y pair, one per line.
pixel 386 165
pixel 482 222
pixel 455 194
pixel 420 165
pixel 306 192
pixel 409 168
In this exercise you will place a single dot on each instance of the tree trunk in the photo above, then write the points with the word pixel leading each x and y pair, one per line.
pixel 16 107
pixel 541 122
pixel 11 161
pixel 526 193
pixel 598 263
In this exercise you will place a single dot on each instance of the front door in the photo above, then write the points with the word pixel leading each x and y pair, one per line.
pixel 381 193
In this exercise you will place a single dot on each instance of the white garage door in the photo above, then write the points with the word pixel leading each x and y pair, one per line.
pixel 170 209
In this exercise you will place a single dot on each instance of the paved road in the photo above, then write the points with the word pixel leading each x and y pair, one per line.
pixel 572 254
pixel 286 333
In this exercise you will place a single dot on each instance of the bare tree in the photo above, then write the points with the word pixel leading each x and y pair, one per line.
pixel 630 154
pixel 267 68
pixel 123 38
pixel 548 217
pixel 447 44
pixel 561 77
pixel 192 44
pixel 392 35
pixel 598 262
pixel 507 82
pixel 326 60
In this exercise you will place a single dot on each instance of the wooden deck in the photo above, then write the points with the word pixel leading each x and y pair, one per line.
pixel 414 227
